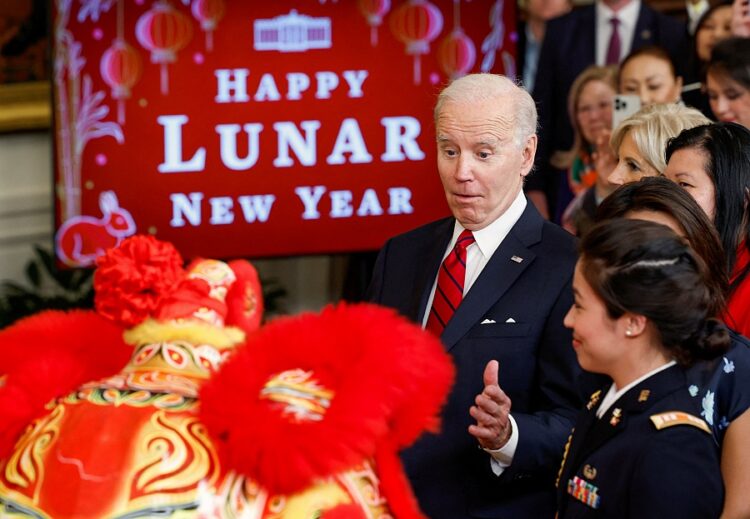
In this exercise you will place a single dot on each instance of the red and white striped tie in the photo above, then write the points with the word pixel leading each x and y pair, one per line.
pixel 450 285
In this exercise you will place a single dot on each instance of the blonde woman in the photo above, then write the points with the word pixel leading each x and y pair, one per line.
pixel 640 140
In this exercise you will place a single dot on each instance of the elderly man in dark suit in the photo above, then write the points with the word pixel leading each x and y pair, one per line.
pixel 494 282
pixel 603 34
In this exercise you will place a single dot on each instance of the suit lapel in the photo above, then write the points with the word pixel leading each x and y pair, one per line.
pixel 602 430
pixel 643 34
pixel 586 21
pixel 586 421
pixel 427 268
pixel 497 276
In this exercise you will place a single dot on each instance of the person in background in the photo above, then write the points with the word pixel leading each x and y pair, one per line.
pixel 722 386
pixel 728 81
pixel 650 74
pixel 741 18
pixel 639 141
pixel 640 317
pixel 531 35
pixel 602 33
pixel 714 26
pixel 590 107
pixel 711 163
pixel 493 282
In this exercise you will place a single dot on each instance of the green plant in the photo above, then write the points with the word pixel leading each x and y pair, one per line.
pixel 47 287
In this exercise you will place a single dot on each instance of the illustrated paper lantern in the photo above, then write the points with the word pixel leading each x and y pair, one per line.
pixel 373 11
pixel 416 23
pixel 164 31
pixel 208 13
pixel 456 54
pixel 120 68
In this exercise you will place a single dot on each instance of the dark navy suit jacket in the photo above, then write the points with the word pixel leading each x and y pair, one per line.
pixel 637 470
pixel 527 280
pixel 569 47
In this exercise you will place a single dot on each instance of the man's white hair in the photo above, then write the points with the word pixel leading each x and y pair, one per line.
pixel 493 87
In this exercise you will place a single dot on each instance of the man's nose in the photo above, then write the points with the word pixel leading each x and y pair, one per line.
pixel 463 168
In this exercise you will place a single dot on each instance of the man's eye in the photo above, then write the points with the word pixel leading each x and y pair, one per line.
pixel 483 154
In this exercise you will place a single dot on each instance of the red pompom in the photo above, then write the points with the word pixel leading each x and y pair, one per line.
pixel 48 355
pixel 132 277
pixel 376 380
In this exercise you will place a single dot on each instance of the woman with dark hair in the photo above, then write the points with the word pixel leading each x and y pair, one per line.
pixel 721 387
pixel 711 163
pixel 658 199
pixel 713 26
pixel 728 81
pixel 650 74
pixel 641 313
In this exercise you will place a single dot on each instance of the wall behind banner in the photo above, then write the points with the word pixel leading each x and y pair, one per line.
pixel 237 128
pixel 26 220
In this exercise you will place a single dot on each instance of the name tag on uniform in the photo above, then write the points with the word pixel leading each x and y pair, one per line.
pixel 584 491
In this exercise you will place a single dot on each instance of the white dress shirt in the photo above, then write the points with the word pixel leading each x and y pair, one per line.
pixel 628 17
pixel 478 254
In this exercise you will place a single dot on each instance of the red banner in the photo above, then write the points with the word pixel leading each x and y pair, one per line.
pixel 244 128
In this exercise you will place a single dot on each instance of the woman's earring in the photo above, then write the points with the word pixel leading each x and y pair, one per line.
pixel 628 332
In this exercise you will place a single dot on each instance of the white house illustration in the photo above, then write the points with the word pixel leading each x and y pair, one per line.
pixel 292 32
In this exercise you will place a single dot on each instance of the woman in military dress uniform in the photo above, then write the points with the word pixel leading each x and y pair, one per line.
pixel 640 448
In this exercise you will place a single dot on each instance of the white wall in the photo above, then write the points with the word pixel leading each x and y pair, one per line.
pixel 26 218
pixel 25 199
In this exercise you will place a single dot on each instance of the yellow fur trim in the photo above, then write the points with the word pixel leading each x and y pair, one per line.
pixel 197 333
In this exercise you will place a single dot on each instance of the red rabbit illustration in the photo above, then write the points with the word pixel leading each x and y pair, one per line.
pixel 82 238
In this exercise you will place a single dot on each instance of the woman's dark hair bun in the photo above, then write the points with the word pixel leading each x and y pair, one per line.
pixel 711 339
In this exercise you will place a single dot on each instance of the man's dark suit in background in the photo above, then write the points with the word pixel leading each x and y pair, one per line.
pixel 569 47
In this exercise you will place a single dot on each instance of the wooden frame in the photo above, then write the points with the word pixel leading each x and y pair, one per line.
pixel 25 106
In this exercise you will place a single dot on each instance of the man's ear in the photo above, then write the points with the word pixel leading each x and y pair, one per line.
pixel 528 153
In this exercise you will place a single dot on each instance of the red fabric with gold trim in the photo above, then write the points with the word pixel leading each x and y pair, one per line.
pixel 313 395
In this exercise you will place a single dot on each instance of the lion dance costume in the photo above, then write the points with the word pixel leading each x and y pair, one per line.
pixel 170 400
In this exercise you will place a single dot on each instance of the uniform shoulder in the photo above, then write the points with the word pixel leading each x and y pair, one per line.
pixel 667 419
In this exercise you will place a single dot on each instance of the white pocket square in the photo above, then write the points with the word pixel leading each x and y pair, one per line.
pixel 510 320
pixel 488 321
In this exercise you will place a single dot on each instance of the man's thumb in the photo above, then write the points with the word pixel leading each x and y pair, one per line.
pixel 491 372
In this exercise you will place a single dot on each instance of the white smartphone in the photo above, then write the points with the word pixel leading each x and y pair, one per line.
pixel 623 106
